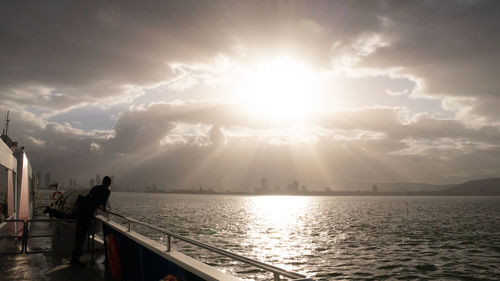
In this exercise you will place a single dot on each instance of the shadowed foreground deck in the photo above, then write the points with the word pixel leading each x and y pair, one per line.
pixel 46 265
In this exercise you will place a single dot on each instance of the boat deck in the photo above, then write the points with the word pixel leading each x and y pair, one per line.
pixel 47 266
pixel 41 261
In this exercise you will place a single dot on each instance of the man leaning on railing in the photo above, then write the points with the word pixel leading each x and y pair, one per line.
pixel 83 213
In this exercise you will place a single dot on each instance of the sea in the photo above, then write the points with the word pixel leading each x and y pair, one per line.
pixel 331 237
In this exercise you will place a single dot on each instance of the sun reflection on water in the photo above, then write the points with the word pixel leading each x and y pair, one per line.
pixel 276 223
pixel 279 212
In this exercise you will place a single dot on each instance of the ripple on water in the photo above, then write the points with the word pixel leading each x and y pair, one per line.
pixel 330 274
pixel 390 266
pixel 496 248
pixel 426 267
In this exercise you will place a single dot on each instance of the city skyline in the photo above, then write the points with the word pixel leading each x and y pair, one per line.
pixel 72 183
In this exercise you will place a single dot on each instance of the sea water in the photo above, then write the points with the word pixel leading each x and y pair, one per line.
pixel 331 238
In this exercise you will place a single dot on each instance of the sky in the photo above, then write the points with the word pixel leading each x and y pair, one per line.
pixel 223 93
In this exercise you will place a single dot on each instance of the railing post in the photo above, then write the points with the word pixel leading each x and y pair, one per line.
pixel 276 276
pixel 129 225
pixel 107 215
pixel 93 240
pixel 169 247
pixel 25 239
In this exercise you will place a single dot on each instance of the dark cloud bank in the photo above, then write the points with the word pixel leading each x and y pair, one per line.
pixel 370 144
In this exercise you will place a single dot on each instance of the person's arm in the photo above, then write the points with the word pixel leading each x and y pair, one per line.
pixel 105 200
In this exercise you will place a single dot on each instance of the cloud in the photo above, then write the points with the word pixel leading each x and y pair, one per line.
pixel 372 144
pixel 367 144
pixel 95 146
pixel 62 61
pixel 36 142
pixel 78 53
pixel 102 49
pixel 54 147
pixel 449 46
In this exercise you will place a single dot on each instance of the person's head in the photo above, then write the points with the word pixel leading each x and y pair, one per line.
pixel 106 181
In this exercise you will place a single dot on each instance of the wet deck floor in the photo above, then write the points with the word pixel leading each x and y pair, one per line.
pixel 47 267
pixel 41 263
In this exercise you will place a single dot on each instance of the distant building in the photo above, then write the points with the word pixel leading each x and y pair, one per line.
pixel 38 179
pixel 98 179
pixel 47 180
pixel 91 182
pixel 72 184
pixel 264 183
pixel 374 188
pixel 264 187
pixel 293 186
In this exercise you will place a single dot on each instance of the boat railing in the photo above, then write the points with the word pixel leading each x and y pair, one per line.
pixel 16 235
pixel 48 234
pixel 25 235
pixel 277 272
pixel 3 223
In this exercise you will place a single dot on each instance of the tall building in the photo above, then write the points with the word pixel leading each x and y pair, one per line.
pixel 38 179
pixel 293 186
pixel 112 179
pixel 47 180
pixel 98 179
pixel 91 183
pixel 264 183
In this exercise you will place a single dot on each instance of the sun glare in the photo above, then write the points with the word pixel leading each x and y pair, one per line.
pixel 280 88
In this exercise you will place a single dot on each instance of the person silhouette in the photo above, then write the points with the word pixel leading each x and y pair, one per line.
pixel 83 212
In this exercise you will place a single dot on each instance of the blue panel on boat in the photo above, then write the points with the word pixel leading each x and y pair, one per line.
pixel 128 260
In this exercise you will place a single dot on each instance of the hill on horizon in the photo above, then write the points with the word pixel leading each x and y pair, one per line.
pixel 390 186
pixel 489 186
pixel 410 186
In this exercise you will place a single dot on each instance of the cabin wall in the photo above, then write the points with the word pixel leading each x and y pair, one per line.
pixel 7 159
pixel 25 188
pixel 8 162
pixel 3 191
pixel 11 193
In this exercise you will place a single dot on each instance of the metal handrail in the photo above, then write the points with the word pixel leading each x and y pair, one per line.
pixel 11 217
pixel 271 268
pixel 27 235
pixel 23 245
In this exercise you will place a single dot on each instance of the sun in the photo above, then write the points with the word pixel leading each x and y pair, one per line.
pixel 280 88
